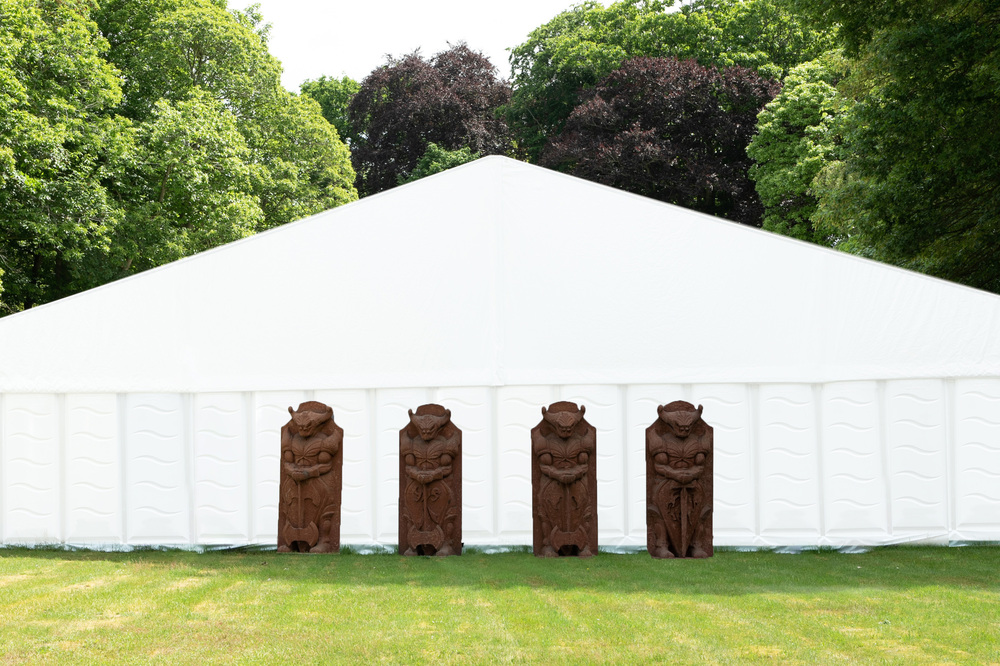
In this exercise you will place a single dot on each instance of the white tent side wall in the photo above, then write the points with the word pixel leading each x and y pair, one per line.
pixel 871 462
pixel 853 403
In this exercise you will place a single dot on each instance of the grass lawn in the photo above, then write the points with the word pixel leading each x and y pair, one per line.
pixel 895 605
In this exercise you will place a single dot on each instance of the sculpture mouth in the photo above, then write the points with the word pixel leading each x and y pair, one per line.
pixel 427 434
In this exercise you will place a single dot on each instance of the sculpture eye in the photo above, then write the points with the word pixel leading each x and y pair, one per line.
pixel 660 458
pixel 324 457
pixel 583 458
pixel 410 460
pixel 699 459
pixel 446 459
pixel 289 456
pixel 545 459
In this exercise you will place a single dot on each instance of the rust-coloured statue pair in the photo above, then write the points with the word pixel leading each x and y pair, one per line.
pixel 679 461
pixel 430 482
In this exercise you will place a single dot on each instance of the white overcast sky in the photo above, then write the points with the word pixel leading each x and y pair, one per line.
pixel 312 37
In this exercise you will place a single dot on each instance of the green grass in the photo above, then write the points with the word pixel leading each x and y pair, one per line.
pixel 895 605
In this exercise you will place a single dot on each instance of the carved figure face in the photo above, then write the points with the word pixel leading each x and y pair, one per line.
pixel 309 422
pixel 428 425
pixel 681 422
pixel 563 422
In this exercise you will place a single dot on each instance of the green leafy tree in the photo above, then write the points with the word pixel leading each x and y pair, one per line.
pixel 798 134
pixel 57 149
pixel 580 46
pixel 192 187
pixel 157 130
pixel 919 182
pixel 180 58
pixel 437 159
pixel 333 95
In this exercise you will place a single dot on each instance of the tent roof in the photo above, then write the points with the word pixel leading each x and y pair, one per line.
pixel 499 272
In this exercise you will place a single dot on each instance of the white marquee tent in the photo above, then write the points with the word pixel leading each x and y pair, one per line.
pixel 853 402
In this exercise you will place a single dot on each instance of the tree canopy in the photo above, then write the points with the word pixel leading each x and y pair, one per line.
pixel 136 132
pixel 672 130
pixel 580 46
pixel 918 179
pixel 450 100
pixel 798 135
pixel 437 159
pixel 333 95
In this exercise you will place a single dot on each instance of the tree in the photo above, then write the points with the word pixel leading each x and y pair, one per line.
pixel 192 188
pixel 580 46
pixel 919 183
pixel 672 130
pixel 170 136
pixel 57 150
pixel 180 60
pixel 451 100
pixel 798 134
pixel 333 95
pixel 437 159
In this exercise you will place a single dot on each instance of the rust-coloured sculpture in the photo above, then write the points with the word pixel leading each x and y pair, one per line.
pixel 679 461
pixel 564 482
pixel 312 462
pixel 430 484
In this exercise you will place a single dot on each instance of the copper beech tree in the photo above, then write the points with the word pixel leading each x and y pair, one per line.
pixel 450 100
pixel 671 130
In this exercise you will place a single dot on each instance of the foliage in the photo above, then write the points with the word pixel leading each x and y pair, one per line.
pixel 580 46
pixel 153 130
pixel 893 605
pixel 671 130
pixel 797 136
pixel 57 151
pixel 401 107
pixel 178 47
pixel 437 159
pixel 333 96
pixel 192 187
pixel 919 184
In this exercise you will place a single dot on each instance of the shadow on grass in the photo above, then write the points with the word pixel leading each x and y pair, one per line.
pixel 728 573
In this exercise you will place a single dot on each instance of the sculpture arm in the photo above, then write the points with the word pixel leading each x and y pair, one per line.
pixel 425 476
pixel 684 476
pixel 296 471
pixel 318 470
pixel 564 476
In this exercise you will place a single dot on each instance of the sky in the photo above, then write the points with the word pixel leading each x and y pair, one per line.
pixel 312 38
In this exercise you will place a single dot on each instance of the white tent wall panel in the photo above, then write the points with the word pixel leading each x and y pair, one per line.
pixel 158 468
pixel 790 485
pixel 977 457
pixel 221 464
pixel 727 408
pixel 851 460
pixel 93 468
pixel 917 459
pixel 32 470
pixel 796 464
